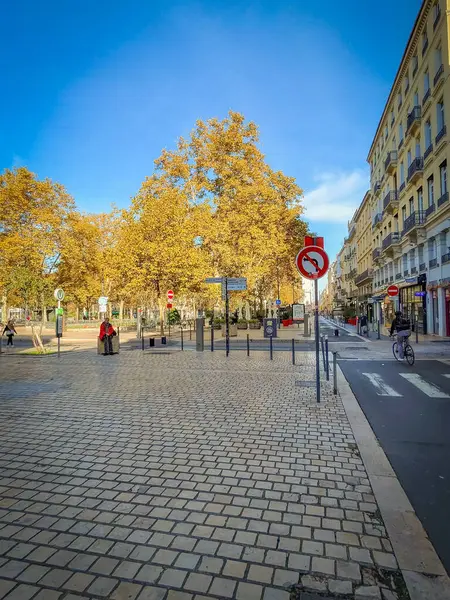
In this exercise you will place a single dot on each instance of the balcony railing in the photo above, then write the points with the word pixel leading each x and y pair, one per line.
pixel 427 152
pixel 433 263
pixel 400 144
pixel 413 270
pixel 365 275
pixel 436 18
pixel 439 74
pixel 405 273
pixel 377 219
pixel 416 218
pixel 390 199
pixel 398 276
pixel 376 253
pixel 441 134
pixel 426 96
pixel 445 258
pixel 389 240
pixel 422 266
pixel 415 168
pixel 443 199
pixel 430 210
pixel 413 118
pixel 401 188
pixel 391 160
pixel 376 187
pixel 391 278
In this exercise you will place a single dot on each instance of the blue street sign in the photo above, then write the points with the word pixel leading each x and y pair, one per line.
pixel 277 302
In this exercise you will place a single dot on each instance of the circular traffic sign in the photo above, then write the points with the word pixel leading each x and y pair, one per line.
pixel 392 290
pixel 59 294
pixel 278 302
pixel 312 262
pixel 170 295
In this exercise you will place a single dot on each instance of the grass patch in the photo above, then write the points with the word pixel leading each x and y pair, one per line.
pixel 36 352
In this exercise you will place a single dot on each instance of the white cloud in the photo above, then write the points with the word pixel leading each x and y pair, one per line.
pixel 336 196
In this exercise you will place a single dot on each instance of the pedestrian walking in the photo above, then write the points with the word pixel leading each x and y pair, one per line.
pixel 363 324
pixel 10 332
pixel 107 332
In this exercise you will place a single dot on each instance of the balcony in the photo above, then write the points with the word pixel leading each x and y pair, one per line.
pixel 427 152
pixel 405 273
pixel 391 278
pixel 426 97
pixel 415 220
pixel 440 135
pixel 390 202
pixel 376 187
pixel 445 258
pixel 415 170
pixel 390 164
pixel 413 120
pixel 422 266
pixel 433 263
pixel 413 270
pixel 366 275
pixel 443 199
pixel 390 242
pixel 398 276
pixel 376 254
pixel 430 210
pixel 377 219
pixel 437 18
pixel 438 76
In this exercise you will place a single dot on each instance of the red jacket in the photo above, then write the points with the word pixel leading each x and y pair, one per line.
pixel 106 330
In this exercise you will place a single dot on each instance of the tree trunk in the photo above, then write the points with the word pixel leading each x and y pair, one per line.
pixel 161 315
pixel 121 310
pixel 4 316
pixel 44 310
pixel 77 313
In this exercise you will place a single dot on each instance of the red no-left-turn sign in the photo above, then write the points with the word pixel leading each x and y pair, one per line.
pixel 392 290
pixel 312 262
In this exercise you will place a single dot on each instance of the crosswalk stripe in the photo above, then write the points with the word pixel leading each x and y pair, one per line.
pixel 427 388
pixel 383 389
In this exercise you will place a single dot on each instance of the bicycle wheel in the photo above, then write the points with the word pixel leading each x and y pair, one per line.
pixel 409 354
pixel 395 350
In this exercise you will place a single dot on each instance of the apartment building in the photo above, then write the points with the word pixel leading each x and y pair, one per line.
pixel 410 208
pixel 364 277
pixel 350 269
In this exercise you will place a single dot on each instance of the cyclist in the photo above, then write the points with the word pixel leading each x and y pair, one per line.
pixel 403 328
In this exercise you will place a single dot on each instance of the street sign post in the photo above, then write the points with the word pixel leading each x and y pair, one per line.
pixel 59 331
pixel 392 290
pixel 313 262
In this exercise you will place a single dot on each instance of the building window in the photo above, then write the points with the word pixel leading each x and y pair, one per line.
pixel 426 82
pixel 409 159
pixel 416 98
pixel 402 173
pixel 428 134
pixel 430 185
pixel 403 215
pixel 418 154
pixel 411 205
pixel 392 117
pixel 420 200
pixel 415 64
pixel 399 99
pixel 443 177
pixel 440 118
pixel 400 132
pixel 424 42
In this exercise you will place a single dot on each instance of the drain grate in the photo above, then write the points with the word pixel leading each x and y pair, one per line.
pixel 307 384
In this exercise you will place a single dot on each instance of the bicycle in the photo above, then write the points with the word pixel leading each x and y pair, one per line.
pixel 408 352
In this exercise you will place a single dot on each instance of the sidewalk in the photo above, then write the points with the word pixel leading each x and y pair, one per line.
pixel 195 477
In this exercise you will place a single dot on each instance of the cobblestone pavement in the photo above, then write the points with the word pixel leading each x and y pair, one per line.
pixel 182 477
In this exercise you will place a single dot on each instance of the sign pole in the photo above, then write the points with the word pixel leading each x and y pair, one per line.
pixel 227 320
pixel 316 326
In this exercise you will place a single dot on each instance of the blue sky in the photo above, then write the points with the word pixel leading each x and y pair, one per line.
pixel 92 91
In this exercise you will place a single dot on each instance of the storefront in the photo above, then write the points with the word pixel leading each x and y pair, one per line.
pixel 439 307
pixel 413 302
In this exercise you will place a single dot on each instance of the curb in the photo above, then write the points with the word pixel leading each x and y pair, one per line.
pixel 423 572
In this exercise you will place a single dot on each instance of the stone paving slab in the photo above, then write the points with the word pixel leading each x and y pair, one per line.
pixel 183 476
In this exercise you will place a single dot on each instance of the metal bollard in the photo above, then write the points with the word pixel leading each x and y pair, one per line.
pixel 417 331
pixel 212 337
pixel 142 337
pixel 248 345
pixel 378 331
pixel 182 341
pixel 293 351
pixel 327 365
pixel 323 350
pixel 271 348
pixel 335 372
pixel 190 332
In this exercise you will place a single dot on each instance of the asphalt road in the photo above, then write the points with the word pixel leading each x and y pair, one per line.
pixel 411 419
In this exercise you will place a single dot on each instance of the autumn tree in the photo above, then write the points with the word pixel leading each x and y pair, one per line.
pixel 33 215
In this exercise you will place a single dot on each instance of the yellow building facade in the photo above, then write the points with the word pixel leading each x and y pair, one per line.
pixel 364 277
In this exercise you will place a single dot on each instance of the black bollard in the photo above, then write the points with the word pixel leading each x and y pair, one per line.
pixel 248 345
pixel 293 351
pixel 327 365
pixel 271 348
pixel 182 341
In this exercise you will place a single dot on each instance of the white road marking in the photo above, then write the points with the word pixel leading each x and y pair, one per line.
pixel 447 375
pixel 383 389
pixel 427 388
